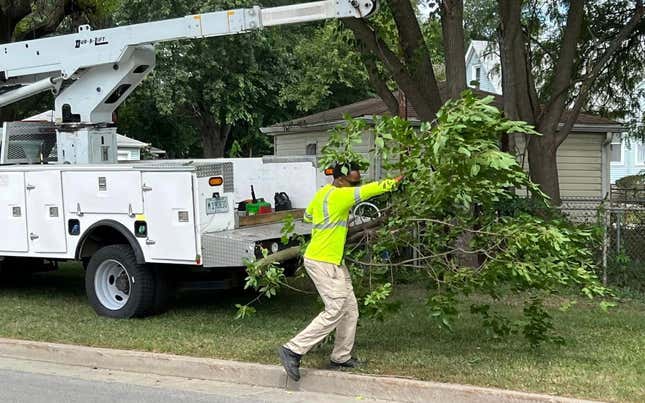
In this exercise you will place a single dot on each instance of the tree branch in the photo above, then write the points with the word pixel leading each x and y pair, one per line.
pixel 562 78
pixel 378 83
pixel 50 23
pixel 11 13
pixel 586 86
pixel 426 102
pixel 520 99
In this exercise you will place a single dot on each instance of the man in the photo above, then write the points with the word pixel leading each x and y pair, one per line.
pixel 329 213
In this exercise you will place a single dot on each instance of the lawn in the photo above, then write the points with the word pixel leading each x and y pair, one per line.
pixel 604 357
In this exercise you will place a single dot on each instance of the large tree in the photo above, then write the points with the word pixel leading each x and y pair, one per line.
pixel 548 79
pixel 553 57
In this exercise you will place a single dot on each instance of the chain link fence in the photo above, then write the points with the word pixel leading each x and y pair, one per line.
pixel 621 219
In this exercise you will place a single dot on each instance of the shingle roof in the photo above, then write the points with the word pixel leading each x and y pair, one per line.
pixel 375 106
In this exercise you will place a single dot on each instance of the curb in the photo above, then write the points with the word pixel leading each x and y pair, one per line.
pixel 319 381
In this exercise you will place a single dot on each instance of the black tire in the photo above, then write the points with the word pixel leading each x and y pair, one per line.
pixel 141 290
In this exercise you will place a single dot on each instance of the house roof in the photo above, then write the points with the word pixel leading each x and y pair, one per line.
pixel 371 107
pixel 127 142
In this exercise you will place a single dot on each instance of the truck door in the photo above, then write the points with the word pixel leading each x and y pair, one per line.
pixel 13 217
pixel 170 216
pixel 46 224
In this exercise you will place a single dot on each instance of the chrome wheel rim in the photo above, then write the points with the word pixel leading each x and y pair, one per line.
pixel 112 284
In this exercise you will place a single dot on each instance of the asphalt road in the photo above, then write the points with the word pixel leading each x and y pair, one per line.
pixel 23 381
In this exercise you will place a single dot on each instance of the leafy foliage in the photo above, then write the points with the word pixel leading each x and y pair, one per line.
pixel 448 213
pixel 447 224
pixel 327 70
pixel 268 279
pixel 226 87
pixel 340 147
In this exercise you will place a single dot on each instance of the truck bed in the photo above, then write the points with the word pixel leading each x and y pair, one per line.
pixel 231 247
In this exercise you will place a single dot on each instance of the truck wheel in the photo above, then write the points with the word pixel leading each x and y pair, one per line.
pixel 117 286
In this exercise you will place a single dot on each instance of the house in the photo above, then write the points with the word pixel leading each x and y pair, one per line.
pixel 583 158
pixel 627 154
pixel 483 70
pixel 128 149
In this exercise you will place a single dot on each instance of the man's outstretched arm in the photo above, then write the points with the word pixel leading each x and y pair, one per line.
pixel 373 189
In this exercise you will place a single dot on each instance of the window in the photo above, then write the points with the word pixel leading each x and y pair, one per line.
pixel 476 76
pixel 311 149
pixel 640 152
pixel 616 150
pixel 105 153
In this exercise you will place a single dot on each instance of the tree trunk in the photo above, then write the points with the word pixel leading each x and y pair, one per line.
pixel 378 82
pixel 543 166
pixel 6 28
pixel 452 26
pixel 214 138
pixel 520 99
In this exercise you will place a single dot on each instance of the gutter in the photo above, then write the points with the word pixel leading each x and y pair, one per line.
pixel 305 128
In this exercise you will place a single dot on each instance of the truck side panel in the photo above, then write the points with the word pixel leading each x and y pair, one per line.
pixel 13 213
pixel 103 192
pixel 169 210
pixel 46 224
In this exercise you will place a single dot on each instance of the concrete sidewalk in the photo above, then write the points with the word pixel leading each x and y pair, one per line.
pixel 316 381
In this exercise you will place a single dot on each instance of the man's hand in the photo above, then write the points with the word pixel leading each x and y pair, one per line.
pixel 399 178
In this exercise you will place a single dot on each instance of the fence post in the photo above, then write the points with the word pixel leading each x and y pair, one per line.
pixel 605 244
pixel 619 216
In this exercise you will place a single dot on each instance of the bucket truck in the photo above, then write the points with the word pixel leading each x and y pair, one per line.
pixel 64 197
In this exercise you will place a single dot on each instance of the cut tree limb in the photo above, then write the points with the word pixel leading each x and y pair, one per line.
pixel 281 256
pixel 354 234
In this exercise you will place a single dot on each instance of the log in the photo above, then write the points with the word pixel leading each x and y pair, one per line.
pixel 280 256
pixel 355 233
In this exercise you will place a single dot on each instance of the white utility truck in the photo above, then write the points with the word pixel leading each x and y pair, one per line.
pixel 135 226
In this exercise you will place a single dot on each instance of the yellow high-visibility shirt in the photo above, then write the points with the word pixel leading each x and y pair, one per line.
pixel 329 213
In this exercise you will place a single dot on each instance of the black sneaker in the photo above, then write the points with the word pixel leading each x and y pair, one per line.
pixel 290 362
pixel 351 363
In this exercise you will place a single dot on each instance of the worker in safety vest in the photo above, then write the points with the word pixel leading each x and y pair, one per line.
pixel 329 212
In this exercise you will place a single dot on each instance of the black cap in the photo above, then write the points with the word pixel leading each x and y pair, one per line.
pixel 350 166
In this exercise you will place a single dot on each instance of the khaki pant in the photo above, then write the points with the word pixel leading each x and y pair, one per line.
pixel 334 285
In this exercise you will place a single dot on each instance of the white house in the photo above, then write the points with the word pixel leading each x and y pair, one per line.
pixel 129 149
pixel 483 68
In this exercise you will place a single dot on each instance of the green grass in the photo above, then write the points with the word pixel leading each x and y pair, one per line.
pixel 604 357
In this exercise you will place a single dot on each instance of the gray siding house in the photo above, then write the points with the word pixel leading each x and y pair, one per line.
pixel 583 159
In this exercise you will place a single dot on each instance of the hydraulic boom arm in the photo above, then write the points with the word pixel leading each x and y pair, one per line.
pixel 106 65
